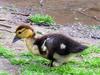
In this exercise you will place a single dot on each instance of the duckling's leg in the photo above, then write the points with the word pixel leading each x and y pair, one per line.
pixel 63 59
pixel 55 60
pixel 59 59
pixel 50 57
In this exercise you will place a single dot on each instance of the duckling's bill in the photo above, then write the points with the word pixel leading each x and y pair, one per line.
pixel 15 39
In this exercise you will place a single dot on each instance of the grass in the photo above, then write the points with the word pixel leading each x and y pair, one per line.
pixel 33 65
pixel 4 73
pixel 6 52
pixel 42 19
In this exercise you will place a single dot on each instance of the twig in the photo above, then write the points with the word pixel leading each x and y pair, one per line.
pixel 5 26
pixel 93 17
pixel 95 37
pixel 6 30
pixel 42 6
pixel 41 3
pixel 2 20
pixel 21 14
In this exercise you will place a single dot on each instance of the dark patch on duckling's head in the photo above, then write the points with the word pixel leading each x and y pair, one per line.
pixel 24 31
pixel 23 26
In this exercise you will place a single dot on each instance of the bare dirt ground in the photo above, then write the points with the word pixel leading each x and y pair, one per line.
pixel 77 25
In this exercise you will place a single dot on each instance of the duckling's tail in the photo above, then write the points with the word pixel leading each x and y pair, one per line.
pixel 79 49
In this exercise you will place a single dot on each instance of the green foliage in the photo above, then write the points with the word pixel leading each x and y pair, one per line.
pixel 42 19
pixel 6 52
pixel 4 73
pixel 19 60
pixel 97 27
pixel 91 49
pixel 33 65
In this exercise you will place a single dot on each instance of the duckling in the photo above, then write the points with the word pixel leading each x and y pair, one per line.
pixel 55 47
pixel 28 34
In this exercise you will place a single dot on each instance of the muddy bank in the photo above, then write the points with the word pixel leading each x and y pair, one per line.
pixel 64 11
pixel 11 21
pixel 7 67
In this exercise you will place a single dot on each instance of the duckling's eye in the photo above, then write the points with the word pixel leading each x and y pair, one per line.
pixel 19 32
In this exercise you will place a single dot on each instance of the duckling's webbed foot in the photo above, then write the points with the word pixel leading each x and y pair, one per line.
pixel 49 64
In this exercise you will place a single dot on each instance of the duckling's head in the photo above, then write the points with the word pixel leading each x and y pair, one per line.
pixel 24 31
